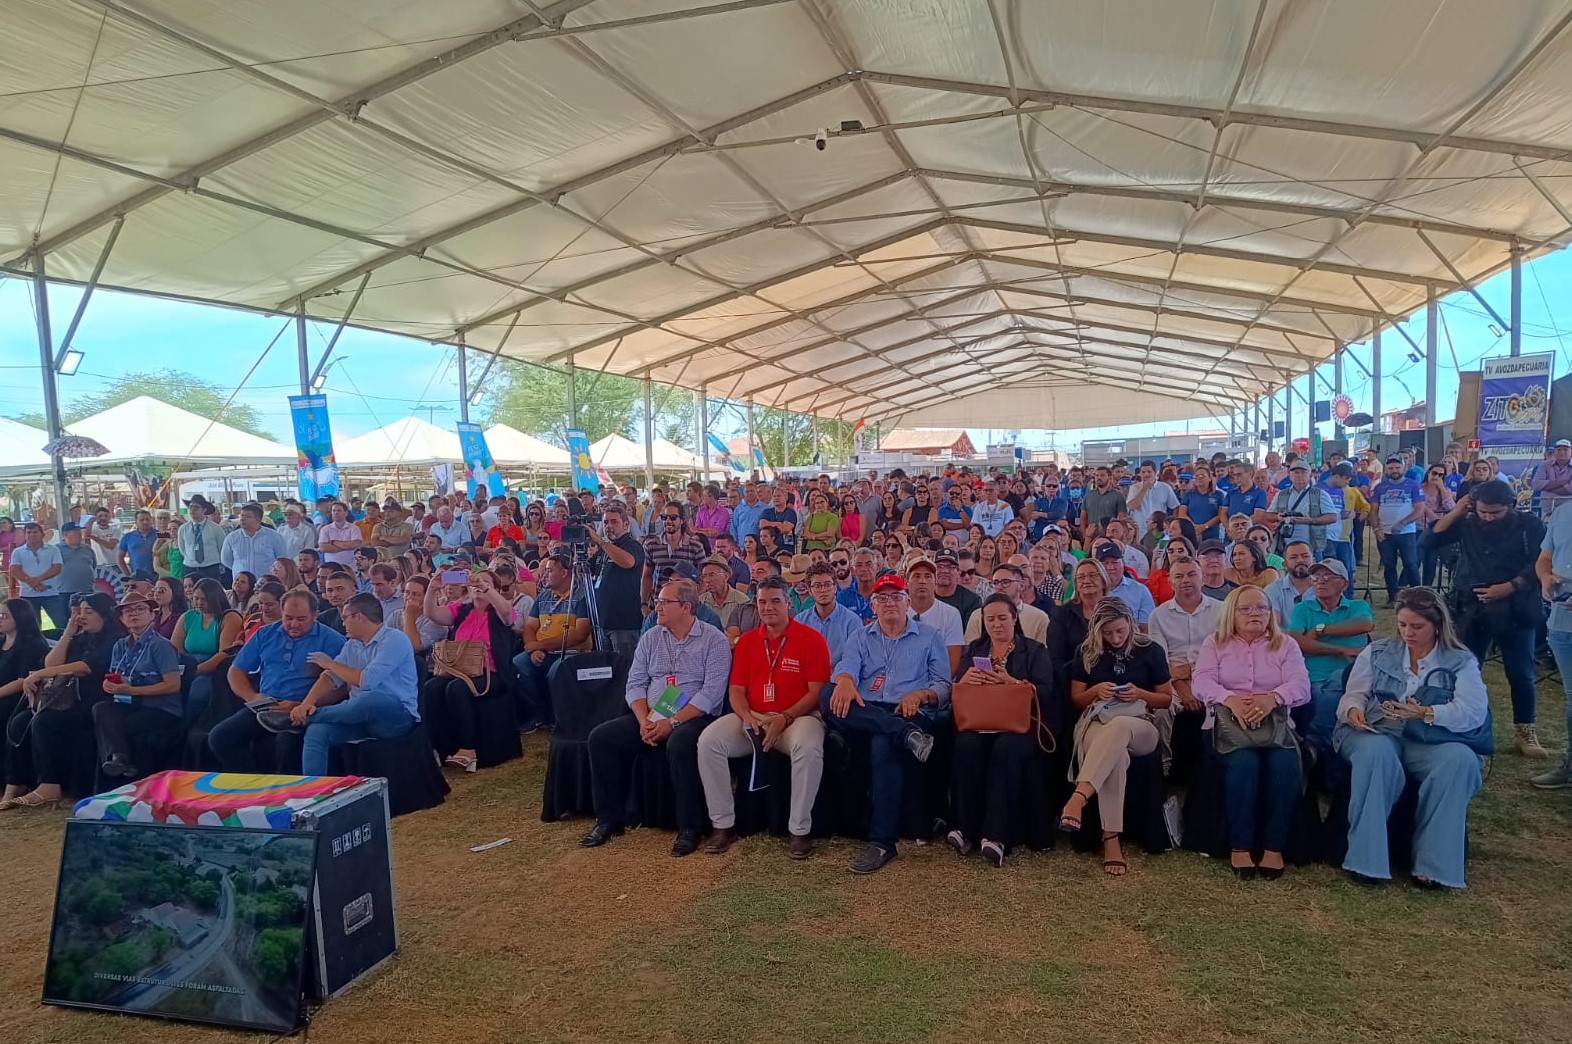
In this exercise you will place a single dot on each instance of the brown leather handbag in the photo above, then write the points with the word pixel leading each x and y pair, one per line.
pixel 1011 707
pixel 465 660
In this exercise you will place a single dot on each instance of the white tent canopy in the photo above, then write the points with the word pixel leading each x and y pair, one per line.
pixel 1013 214
pixel 22 453
pixel 615 453
pixel 408 441
pixel 509 446
pixel 146 430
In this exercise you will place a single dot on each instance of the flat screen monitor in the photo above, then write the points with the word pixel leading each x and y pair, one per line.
pixel 206 924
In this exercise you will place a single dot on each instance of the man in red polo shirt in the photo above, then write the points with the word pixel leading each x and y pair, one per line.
pixel 777 672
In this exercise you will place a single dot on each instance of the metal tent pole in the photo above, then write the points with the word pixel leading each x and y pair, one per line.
pixel 1337 385
pixel 1431 345
pixel 704 431
pixel 649 435
pixel 301 350
pixel 751 436
pixel 46 362
pixel 814 418
pixel 1517 298
pixel 463 383
pixel 1271 419
pixel 1288 414
pixel 573 395
pixel 1375 379
pixel 698 422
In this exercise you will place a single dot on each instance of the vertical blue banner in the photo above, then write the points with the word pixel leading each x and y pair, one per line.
pixel 721 455
pixel 585 475
pixel 479 468
pixel 317 468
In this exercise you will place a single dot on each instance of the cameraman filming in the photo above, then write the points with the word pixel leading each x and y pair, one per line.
pixel 618 565
pixel 1495 596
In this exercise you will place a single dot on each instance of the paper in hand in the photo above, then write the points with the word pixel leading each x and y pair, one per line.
pixel 758 776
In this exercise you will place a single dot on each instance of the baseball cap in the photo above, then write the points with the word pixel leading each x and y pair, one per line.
pixel 1109 551
pixel 1331 565
pixel 920 562
pixel 678 571
pixel 1208 546
pixel 144 576
pixel 888 582
pixel 69 527
pixel 1052 527
pixel 1298 465
pixel 1562 442
pixel 1394 458
pixel 1186 476
pixel 946 555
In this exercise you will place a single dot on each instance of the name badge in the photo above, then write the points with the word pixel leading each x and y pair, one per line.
pixel 671 679
pixel 878 683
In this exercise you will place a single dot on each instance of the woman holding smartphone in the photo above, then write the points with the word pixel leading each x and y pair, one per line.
pixel 483 615
pixel 997 772
pixel 1118 680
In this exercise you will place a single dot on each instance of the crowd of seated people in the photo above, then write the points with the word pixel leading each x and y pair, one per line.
pixel 758 618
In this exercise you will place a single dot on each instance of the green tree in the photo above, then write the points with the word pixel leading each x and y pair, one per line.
pixel 798 450
pixel 275 955
pixel 534 399
pixel 176 387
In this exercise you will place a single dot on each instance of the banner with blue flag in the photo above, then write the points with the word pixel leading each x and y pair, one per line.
pixel 585 474
pixel 479 468
pixel 722 455
pixel 317 469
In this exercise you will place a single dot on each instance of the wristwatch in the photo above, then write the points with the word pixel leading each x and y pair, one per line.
pixel 1430 715
pixel 1320 629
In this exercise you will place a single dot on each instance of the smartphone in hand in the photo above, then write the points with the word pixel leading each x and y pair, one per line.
pixel 982 663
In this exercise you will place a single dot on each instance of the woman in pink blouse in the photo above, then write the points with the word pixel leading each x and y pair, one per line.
pixel 1250 667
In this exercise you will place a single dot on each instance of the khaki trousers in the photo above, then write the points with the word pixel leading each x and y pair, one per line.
pixel 803 742
pixel 1107 748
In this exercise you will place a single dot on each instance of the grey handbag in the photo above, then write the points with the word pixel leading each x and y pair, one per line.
pixel 1228 735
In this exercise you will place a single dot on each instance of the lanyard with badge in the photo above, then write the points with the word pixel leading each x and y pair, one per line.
pixel 884 672
pixel 770 663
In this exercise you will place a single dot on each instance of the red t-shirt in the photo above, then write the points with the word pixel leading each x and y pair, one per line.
pixel 800 656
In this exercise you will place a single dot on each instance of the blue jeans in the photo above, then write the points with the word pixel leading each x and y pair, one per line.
pixel 887 732
pixel 1561 649
pixel 534 692
pixel 1260 780
pixel 1317 719
pixel 1343 551
pixel 1381 765
pixel 367 716
pixel 1403 546
pixel 1517 659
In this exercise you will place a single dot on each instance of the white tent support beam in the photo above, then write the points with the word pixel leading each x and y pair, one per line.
pixel 87 291
pixel 463 382
pixel 1064 232
pixel 1215 342
pixel 1462 281
pixel 51 384
pixel 1393 321
pixel 704 428
pixel 327 353
pixel 1516 329
pixel 1375 380
pixel 1337 387
pixel 346 108
pixel 302 350
pixel 1432 346
pixel 649 437
pixel 1245 117
pixel 1117 276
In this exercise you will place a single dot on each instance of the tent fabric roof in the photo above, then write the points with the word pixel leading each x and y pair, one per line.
pixel 145 429
pixel 615 453
pixel 508 445
pixel 1031 218
pixel 927 439
pixel 22 443
pixel 408 440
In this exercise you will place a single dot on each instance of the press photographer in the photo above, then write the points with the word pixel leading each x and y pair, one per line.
pixel 617 564
pixel 1495 597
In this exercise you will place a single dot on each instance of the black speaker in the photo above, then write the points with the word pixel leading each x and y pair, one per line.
pixel 1413 439
pixel 1560 409
pixel 1331 446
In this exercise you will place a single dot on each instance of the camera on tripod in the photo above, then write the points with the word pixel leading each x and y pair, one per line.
pixel 576 537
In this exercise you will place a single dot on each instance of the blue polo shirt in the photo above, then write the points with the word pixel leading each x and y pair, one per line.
pixel 852 599
pixel 1247 503
pixel 841 626
pixel 954 514
pixel 1200 507
pixel 282 660
pixel 1308 614
pixel 139 550
pixel 1047 510
pixel 145 661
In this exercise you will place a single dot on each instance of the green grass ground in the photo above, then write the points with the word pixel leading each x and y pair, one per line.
pixel 543 941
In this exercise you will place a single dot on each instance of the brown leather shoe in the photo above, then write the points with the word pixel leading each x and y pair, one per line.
pixel 720 841
pixel 801 846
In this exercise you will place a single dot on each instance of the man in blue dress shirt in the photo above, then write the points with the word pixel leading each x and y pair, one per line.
pixel 377 669
pixel 891 683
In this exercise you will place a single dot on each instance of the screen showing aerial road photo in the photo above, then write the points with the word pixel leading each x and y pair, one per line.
pixel 194 923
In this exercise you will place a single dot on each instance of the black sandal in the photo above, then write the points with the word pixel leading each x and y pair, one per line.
pixel 1108 865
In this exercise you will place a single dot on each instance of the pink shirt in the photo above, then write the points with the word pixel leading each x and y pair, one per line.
pixel 714 518
pixel 476 628
pixel 1242 666
pixel 348 531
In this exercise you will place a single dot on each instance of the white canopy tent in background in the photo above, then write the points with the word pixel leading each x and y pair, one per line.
pixel 23 449
pixel 1047 214
pixel 509 446
pixel 408 441
pixel 615 453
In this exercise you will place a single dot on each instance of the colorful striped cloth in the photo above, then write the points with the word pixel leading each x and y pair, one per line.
pixel 213 799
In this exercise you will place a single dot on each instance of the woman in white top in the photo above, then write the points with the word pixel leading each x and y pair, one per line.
pixel 1388 738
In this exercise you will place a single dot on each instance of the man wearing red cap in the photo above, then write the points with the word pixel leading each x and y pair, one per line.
pixel 891 680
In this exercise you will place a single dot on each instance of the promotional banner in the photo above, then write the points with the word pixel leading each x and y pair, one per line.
pixel 479 468
pixel 1514 408
pixel 585 475
pixel 442 479
pixel 721 455
pixel 317 468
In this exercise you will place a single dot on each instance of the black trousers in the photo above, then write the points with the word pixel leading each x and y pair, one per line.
pixel 117 724
pixel 241 744
pixel 449 711
pixel 990 780
pixel 50 741
pixel 613 747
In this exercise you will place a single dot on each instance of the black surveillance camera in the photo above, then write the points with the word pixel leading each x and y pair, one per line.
pixel 821 139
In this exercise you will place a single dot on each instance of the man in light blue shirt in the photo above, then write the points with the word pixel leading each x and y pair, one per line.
pixel 892 682
pixel 377 667
pixel 1554 569
pixel 745 516
pixel 253 548
pixel 1294 585
pixel 834 622
pixel 35 570
pixel 676 687
pixel 1123 586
